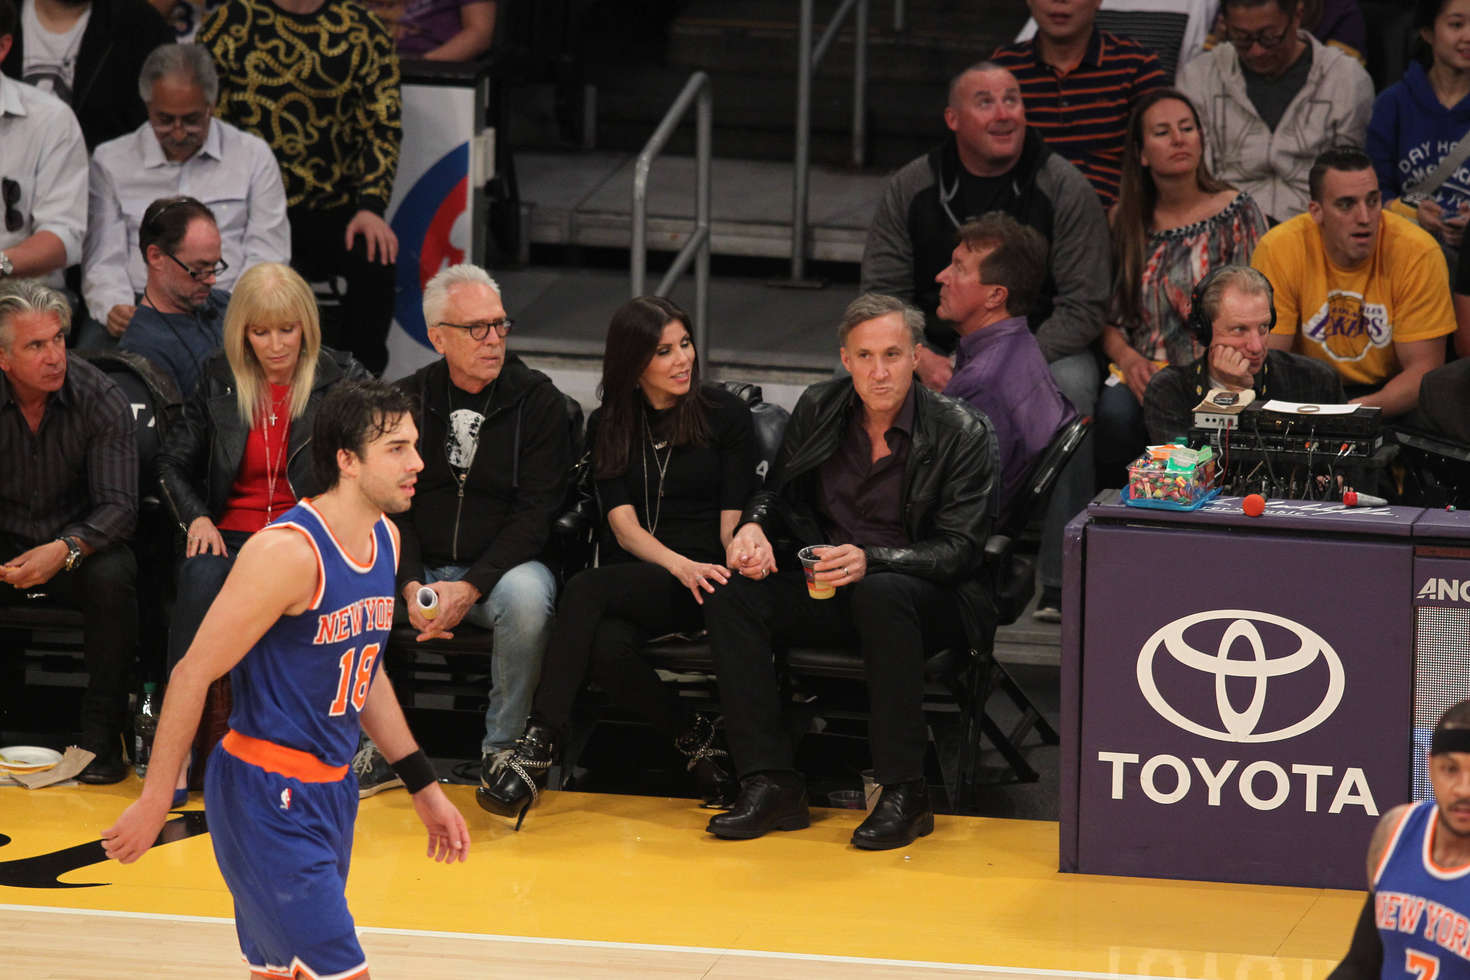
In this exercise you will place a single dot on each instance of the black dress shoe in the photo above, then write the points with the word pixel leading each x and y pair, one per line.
pixel 511 780
pixel 902 815
pixel 767 801
pixel 104 770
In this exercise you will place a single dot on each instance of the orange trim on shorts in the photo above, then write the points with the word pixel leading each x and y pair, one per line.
pixel 289 762
pixel 301 972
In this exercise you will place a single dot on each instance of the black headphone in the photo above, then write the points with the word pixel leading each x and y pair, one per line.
pixel 1196 325
pixel 151 227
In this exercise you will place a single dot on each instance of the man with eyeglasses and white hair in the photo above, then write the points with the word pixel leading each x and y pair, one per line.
pixel 496 445
pixel 43 175
pixel 181 150
pixel 1271 99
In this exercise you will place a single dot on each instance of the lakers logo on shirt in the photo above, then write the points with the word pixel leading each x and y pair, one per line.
pixel 1348 328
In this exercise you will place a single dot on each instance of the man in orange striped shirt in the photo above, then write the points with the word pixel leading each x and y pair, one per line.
pixel 1079 83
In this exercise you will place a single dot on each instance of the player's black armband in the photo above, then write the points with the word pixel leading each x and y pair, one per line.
pixel 415 770
pixel 1364 959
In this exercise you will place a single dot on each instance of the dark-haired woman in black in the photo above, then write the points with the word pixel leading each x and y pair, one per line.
pixel 674 462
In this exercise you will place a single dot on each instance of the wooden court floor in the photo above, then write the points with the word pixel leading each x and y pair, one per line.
pixel 599 885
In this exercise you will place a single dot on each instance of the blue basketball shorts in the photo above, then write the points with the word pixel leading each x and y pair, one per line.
pixel 284 845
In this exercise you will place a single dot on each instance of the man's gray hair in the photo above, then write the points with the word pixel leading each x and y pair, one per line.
pixel 1243 278
pixel 190 60
pixel 20 296
pixel 436 290
pixel 954 82
pixel 870 306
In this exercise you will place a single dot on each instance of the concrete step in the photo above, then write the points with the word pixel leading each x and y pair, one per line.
pixel 928 52
pixel 586 199
pixel 759 331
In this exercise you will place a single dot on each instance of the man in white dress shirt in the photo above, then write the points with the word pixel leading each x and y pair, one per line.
pixel 43 175
pixel 180 151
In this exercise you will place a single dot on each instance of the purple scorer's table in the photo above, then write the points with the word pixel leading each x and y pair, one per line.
pixel 1236 691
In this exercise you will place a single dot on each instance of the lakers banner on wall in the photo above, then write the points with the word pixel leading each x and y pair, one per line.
pixel 437 210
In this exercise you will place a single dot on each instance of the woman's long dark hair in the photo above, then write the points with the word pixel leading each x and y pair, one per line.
pixel 1137 198
pixel 632 337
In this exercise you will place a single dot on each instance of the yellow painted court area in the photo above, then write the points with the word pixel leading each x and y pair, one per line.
pixel 597 869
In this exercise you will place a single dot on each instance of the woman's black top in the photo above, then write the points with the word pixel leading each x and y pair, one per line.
pixel 698 481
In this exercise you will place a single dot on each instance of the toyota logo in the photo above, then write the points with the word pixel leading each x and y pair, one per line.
pixel 1240 726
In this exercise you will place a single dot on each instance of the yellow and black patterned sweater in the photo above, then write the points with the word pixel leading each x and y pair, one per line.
pixel 321 89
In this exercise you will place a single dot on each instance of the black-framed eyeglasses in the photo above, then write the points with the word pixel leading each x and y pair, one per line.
pixel 199 275
pixel 10 191
pixel 480 329
pixel 1267 40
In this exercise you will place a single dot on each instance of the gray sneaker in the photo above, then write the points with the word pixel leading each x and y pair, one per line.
pixel 373 772
pixel 1049 606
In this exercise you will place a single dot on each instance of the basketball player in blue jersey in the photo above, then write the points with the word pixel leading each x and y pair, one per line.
pixel 299 624
pixel 1416 923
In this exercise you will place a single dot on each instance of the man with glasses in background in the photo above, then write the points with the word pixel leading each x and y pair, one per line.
pixel 1272 99
pixel 43 175
pixel 496 445
pixel 179 320
pixel 180 150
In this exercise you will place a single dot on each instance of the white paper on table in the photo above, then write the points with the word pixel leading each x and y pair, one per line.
pixel 1307 408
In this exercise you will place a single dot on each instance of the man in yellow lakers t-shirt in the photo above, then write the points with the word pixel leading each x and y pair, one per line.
pixel 1366 291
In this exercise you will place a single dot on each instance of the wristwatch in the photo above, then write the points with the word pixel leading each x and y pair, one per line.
pixel 73 550
pixel 7 267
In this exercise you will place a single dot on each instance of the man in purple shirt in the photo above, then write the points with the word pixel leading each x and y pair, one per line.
pixel 993 277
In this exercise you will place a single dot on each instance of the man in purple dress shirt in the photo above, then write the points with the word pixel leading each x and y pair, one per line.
pixel 994 276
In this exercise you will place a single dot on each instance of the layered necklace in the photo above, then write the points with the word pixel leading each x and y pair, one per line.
pixel 662 465
pixel 275 464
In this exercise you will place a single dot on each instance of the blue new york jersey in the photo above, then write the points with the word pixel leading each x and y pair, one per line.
pixel 1421 908
pixel 306 679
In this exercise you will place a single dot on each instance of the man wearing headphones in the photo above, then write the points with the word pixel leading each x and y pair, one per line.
pixel 177 324
pixel 1232 311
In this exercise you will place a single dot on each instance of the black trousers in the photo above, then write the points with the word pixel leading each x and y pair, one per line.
pixel 105 589
pixel 605 617
pixel 318 252
pixel 894 620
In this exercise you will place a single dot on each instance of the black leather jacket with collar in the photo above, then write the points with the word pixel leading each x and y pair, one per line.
pixel 948 490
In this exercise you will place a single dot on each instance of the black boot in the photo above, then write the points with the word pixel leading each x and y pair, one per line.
pixel 713 775
pixel 511 780
pixel 767 801
pixel 108 766
pixel 902 815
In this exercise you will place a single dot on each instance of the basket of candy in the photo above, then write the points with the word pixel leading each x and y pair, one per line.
pixel 1171 477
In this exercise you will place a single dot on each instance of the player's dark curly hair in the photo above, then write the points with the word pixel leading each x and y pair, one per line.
pixel 352 416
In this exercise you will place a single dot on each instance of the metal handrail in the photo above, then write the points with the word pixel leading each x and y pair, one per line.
pixel 807 59
pixel 697 92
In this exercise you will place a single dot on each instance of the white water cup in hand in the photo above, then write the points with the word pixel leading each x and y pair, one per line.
pixel 428 601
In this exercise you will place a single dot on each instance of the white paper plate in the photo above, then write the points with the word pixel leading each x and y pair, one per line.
pixel 28 758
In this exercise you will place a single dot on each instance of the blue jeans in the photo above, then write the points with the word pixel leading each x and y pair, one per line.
pixel 1077 378
pixel 517 612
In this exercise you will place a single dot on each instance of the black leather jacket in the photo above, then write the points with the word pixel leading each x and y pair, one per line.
pixel 948 492
pixel 198 464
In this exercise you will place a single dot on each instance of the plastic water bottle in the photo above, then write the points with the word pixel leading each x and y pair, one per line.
pixel 145 726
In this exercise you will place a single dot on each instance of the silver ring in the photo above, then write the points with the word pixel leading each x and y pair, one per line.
pixel 846 572
pixel 765 572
